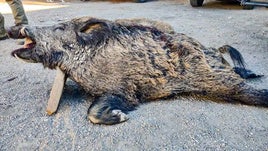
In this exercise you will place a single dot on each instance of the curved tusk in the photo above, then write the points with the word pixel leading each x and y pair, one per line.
pixel 23 31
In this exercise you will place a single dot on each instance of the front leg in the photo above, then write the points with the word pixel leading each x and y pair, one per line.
pixel 109 109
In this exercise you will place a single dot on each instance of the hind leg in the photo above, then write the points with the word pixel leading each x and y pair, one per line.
pixel 109 109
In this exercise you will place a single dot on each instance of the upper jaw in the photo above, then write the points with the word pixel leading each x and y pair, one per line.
pixel 18 32
pixel 21 32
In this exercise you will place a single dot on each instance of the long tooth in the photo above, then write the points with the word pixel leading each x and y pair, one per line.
pixel 15 55
pixel 23 31
pixel 20 59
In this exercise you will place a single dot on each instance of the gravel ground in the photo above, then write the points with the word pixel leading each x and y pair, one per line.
pixel 163 125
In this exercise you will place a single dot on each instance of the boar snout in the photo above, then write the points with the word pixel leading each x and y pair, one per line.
pixel 15 32
pixel 19 32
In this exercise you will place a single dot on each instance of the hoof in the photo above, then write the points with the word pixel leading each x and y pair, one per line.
pixel 108 118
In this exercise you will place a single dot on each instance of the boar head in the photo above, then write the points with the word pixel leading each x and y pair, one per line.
pixel 53 45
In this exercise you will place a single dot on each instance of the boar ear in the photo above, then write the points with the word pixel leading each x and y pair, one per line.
pixel 94 25
pixel 93 32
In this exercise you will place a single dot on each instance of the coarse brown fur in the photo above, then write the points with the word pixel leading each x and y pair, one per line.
pixel 126 62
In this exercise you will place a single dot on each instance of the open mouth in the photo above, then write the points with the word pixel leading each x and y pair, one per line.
pixel 25 52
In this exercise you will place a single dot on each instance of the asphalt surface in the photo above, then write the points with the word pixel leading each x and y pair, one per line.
pixel 180 124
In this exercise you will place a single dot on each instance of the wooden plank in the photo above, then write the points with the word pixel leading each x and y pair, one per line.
pixel 56 92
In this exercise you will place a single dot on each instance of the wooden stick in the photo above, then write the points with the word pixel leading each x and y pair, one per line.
pixel 56 92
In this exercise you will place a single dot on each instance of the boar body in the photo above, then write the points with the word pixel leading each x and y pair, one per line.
pixel 126 62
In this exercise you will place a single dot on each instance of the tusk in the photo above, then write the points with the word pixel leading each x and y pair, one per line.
pixel 20 59
pixel 26 32
pixel 23 31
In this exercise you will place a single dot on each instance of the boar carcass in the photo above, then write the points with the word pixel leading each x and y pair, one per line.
pixel 124 63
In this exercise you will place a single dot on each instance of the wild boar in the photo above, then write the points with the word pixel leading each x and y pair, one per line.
pixel 124 63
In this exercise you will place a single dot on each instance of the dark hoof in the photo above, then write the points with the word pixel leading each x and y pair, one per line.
pixel 109 118
pixel 109 109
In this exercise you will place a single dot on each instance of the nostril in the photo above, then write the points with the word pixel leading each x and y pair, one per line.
pixel 15 32
pixel 11 33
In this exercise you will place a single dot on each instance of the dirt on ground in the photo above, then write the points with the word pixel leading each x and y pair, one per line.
pixel 180 124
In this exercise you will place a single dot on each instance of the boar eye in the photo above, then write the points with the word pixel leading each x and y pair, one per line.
pixel 59 28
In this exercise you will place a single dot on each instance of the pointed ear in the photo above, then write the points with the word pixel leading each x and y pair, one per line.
pixel 93 31
pixel 94 25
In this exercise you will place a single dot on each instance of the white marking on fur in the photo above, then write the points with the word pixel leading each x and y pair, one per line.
pixel 123 116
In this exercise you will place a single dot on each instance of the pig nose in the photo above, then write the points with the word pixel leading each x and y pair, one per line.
pixel 15 32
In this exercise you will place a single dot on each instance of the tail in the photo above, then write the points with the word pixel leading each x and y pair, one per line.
pixel 239 63
pixel 235 55
pixel 245 73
